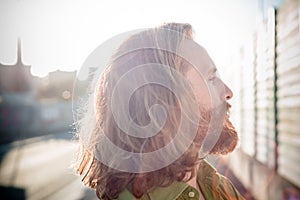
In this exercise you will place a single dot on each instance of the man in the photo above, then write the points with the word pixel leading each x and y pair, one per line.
pixel 154 114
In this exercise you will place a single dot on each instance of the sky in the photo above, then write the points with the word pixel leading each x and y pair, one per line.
pixel 60 34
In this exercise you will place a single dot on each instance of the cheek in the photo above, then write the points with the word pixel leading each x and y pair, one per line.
pixel 202 94
pixel 217 92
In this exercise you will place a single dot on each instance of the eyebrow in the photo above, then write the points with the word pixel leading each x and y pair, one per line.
pixel 213 70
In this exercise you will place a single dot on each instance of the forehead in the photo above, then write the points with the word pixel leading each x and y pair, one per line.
pixel 197 56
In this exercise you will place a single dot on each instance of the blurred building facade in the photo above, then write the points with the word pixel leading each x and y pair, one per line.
pixel 56 86
pixel 267 104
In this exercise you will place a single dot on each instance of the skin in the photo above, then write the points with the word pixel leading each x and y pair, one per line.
pixel 205 83
pixel 203 77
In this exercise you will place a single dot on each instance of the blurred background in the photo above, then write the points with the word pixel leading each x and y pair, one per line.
pixel 254 43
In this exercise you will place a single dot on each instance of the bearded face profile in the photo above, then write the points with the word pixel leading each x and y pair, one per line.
pixel 157 109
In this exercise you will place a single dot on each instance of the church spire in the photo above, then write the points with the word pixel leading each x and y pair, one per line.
pixel 19 56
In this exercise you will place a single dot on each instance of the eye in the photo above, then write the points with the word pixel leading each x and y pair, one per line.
pixel 212 78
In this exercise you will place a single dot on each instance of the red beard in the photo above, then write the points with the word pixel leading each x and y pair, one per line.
pixel 227 139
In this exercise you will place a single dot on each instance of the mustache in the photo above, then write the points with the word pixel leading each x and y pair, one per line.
pixel 223 109
pixel 228 105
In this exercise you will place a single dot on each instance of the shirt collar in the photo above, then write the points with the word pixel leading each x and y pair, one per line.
pixel 205 173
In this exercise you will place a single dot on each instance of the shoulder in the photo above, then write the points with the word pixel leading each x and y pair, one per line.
pixel 176 190
pixel 215 185
pixel 212 184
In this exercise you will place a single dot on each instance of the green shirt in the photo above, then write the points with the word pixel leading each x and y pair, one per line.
pixel 213 186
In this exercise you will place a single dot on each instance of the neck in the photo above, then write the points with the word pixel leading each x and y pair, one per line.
pixel 193 182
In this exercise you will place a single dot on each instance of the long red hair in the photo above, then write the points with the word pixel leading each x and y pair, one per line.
pixel 109 182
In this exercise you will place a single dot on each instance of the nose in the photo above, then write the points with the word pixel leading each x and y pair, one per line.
pixel 228 92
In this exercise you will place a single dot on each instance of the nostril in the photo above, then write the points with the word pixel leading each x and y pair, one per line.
pixel 228 94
